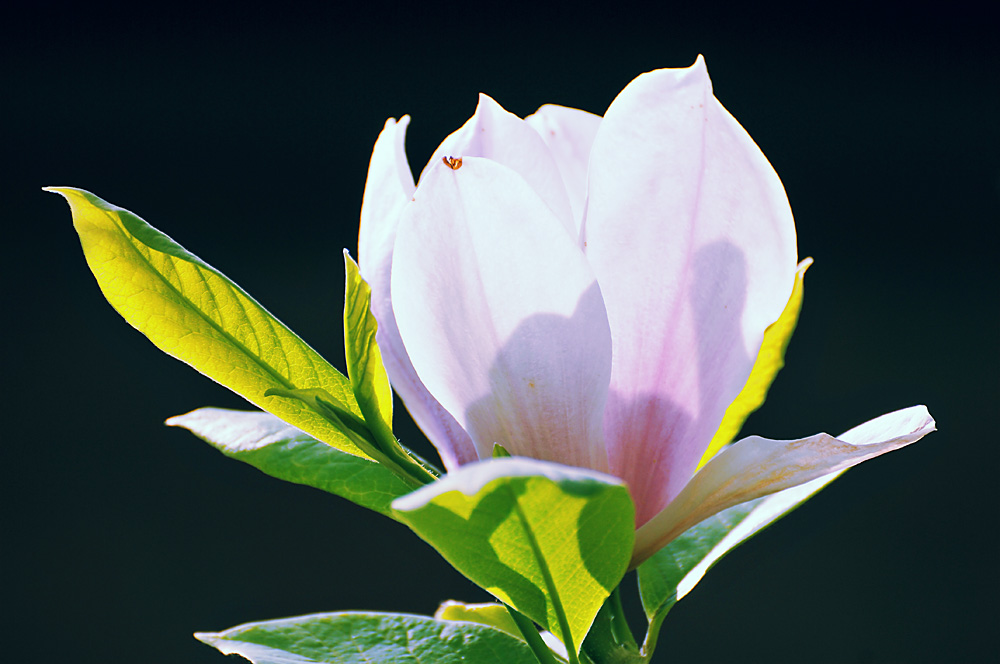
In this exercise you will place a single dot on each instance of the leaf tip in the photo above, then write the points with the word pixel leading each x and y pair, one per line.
pixel 76 196
pixel 350 265
pixel 62 191
pixel 178 420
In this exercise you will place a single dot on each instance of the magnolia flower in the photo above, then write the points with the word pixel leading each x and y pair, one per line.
pixel 593 292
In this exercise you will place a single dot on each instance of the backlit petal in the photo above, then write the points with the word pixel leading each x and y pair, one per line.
pixel 569 134
pixel 690 233
pixel 501 314
pixel 387 191
pixel 503 137
pixel 755 467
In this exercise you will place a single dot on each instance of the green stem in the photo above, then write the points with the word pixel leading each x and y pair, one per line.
pixel 653 633
pixel 619 625
pixel 391 447
pixel 610 640
pixel 534 640
pixel 403 473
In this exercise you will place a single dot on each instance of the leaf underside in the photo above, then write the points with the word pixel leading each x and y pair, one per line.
pixel 282 451
pixel 366 638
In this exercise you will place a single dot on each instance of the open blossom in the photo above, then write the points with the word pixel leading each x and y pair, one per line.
pixel 594 292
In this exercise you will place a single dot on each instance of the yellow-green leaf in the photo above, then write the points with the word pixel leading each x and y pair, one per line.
pixel 489 613
pixel 368 377
pixel 191 311
pixel 551 541
pixel 769 361
pixel 364 360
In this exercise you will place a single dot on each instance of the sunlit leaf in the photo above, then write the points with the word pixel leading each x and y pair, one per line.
pixel 489 613
pixel 549 540
pixel 369 638
pixel 282 451
pixel 193 312
pixel 367 373
pixel 770 360
pixel 497 615
pixel 364 361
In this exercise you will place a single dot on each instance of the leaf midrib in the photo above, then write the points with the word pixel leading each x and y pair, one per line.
pixel 550 584
pixel 286 382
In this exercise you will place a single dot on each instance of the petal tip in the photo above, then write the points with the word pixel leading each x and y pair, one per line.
pixel 920 415
pixel 487 104
pixel 667 79
pixel 393 122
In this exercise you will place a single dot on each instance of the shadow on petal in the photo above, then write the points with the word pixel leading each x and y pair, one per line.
pixel 549 383
pixel 659 436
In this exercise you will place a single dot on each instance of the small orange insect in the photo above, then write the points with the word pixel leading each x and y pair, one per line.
pixel 454 163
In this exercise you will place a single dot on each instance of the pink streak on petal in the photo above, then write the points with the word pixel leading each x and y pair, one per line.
pixel 689 231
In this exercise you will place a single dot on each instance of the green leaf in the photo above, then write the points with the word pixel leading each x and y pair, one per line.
pixel 282 451
pixel 547 648
pixel 191 311
pixel 491 613
pixel 368 638
pixel 364 361
pixel 770 360
pixel 549 540
pixel 671 573
pixel 367 373
pixel 660 575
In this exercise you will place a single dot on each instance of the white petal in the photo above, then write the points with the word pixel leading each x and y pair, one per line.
pixel 501 315
pixel 755 467
pixel 690 234
pixel 388 188
pixel 503 137
pixel 387 191
pixel 569 134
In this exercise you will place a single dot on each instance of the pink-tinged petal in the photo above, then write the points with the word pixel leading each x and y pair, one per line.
pixel 503 137
pixel 690 233
pixel 569 134
pixel 501 315
pixel 387 191
pixel 755 467
pixel 388 188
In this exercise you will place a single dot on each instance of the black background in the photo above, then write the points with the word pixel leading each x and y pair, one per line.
pixel 244 132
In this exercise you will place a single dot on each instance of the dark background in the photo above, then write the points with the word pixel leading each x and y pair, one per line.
pixel 244 132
